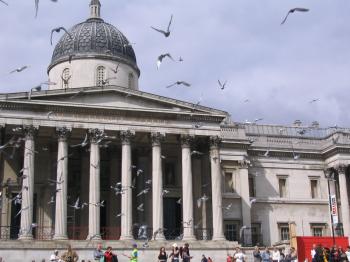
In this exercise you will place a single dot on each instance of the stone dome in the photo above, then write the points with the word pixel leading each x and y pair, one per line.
pixel 94 38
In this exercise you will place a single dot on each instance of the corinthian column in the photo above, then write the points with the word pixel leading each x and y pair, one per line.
pixel 157 185
pixel 95 135
pixel 187 189
pixel 61 184
pixel 345 214
pixel 218 233
pixel 126 218
pixel 28 184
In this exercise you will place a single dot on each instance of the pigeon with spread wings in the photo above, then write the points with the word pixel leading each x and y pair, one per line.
pixel 57 30
pixel 167 32
pixel 298 9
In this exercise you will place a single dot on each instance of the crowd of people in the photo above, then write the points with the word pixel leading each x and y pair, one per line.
pixel 276 255
pixel 321 253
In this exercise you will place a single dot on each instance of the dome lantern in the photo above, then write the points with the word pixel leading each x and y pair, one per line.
pixel 95 9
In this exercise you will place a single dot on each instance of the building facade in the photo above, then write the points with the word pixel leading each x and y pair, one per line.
pixel 94 158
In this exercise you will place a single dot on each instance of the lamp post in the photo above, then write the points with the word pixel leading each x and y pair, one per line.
pixel 329 175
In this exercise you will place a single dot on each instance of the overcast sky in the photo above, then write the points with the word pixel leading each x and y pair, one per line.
pixel 278 68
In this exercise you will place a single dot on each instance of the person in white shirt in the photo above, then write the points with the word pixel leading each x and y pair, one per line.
pixel 239 256
pixel 313 252
pixel 276 255
pixel 347 252
pixel 54 257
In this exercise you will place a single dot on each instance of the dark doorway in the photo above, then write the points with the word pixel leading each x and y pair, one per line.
pixel 15 221
pixel 172 218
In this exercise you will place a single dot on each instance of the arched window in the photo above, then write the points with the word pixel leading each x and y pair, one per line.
pixel 100 76
pixel 65 78
pixel 131 80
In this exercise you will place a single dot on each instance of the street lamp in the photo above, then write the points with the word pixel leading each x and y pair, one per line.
pixel 330 176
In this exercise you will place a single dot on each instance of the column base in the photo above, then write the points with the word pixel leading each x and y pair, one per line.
pixel 160 237
pixel 189 238
pixel 126 238
pixel 25 237
pixel 218 238
pixel 94 237
pixel 60 237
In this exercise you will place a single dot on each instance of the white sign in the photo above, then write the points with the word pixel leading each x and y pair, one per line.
pixel 334 209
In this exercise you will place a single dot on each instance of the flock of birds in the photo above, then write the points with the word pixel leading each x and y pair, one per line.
pixel 15 143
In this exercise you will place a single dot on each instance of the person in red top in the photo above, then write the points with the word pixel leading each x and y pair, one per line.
pixel 109 256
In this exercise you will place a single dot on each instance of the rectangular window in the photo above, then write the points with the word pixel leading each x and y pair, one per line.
pixel 229 186
pixel 256 234
pixel 284 231
pixel 231 230
pixel 318 230
pixel 339 231
pixel 314 188
pixel 282 184
pixel 251 187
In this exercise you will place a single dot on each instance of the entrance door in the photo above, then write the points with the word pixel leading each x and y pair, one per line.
pixel 172 218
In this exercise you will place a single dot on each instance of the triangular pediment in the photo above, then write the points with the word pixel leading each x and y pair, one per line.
pixel 112 98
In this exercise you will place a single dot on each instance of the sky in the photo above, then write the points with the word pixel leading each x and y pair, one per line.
pixel 278 68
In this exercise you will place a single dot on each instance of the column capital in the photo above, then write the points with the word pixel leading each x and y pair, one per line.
pixel 186 140
pixel 96 135
pixel 157 138
pixel 30 132
pixel 215 141
pixel 63 133
pixel 341 168
pixel 126 136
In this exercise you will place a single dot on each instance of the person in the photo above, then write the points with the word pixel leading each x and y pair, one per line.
pixel 239 256
pixel 293 254
pixel 209 259
pixel 98 253
pixel 185 253
pixel 347 252
pixel 204 259
pixel 266 256
pixel 109 256
pixel 342 255
pixel 313 252
pixel 134 254
pixel 256 254
pixel 162 257
pixel 275 255
pixel 70 255
pixel 175 253
pixel 54 257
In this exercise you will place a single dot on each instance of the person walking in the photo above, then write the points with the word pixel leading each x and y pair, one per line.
pixel 70 255
pixel 54 257
pixel 109 256
pixel 175 253
pixel 134 254
pixel 257 254
pixel 275 255
pixel 98 253
pixel 162 257
pixel 186 257
pixel 204 259
pixel 266 255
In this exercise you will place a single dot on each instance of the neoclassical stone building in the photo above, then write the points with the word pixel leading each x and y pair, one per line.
pixel 93 157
